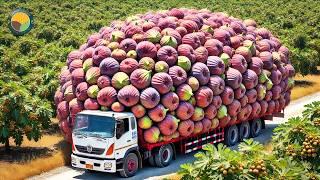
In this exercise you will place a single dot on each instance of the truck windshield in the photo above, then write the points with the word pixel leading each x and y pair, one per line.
pixel 92 125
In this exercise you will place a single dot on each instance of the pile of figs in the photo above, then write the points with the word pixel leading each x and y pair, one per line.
pixel 180 72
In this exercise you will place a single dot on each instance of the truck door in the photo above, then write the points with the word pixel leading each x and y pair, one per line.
pixel 124 137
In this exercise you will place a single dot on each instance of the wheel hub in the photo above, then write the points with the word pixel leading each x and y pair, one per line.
pixel 166 155
pixel 131 165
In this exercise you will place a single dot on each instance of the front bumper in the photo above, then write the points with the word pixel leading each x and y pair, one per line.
pixel 93 164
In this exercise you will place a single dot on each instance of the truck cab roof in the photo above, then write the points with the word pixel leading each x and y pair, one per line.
pixel 117 115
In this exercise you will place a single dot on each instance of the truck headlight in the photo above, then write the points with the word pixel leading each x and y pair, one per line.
pixel 73 160
pixel 107 165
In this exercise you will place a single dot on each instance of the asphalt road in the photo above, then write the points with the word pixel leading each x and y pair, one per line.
pixel 294 109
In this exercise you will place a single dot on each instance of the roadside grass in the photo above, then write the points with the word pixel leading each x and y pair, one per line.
pixel 51 151
pixel 305 85
pixel 173 176
pixel 33 158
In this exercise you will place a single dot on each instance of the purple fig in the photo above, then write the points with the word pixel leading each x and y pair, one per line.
pixel 201 54
pixel 178 75
pixel 100 53
pixel 192 39
pixel 214 47
pixel 91 104
pixel 146 49
pixel 162 82
pixel 128 65
pixel 239 63
pixel 267 60
pixel 252 95
pixel 185 110
pixel 170 101
pixel 128 45
pixel 140 78
pixel 168 54
pixel 216 65
pixel 204 96
pixel 158 113
pixel 250 79
pixel 233 78
pixel 227 95
pixel 128 95
pixel 201 72
pixel 149 98
pixel 188 51
pixel 216 84
pixel 109 66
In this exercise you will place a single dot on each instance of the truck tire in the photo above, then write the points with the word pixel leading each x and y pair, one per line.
pixel 256 127
pixel 130 165
pixel 151 160
pixel 164 156
pixel 231 135
pixel 244 130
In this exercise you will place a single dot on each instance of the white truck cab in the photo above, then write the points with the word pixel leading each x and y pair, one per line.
pixel 106 141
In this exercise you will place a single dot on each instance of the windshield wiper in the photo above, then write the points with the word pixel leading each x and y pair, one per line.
pixel 81 134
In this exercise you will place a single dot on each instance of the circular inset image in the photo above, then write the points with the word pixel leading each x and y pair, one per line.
pixel 21 22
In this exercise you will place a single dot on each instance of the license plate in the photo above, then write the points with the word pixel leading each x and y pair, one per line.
pixel 89 166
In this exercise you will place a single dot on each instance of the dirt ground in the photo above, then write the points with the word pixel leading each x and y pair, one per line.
pixel 305 85
pixel 32 158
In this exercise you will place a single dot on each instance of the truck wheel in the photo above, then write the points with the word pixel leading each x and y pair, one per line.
pixel 231 135
pixel 164 156
pixel 256 126
pixel 130 165
pixel 244 130
pixel 151 160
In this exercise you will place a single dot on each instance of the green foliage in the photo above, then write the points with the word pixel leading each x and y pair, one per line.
pixel 215 163
pixel 21 114
pixel 295 154
pixel 299 138
pixel 312 110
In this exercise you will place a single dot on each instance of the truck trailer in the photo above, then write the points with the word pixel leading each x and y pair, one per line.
pixel 111 142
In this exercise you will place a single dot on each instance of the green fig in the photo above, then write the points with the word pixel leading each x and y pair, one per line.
pixel 222 112
pixel 184 63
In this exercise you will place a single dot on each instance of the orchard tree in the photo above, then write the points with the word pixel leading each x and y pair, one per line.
pixel 21 114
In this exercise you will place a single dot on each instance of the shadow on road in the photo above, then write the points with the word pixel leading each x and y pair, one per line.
pixel 24 154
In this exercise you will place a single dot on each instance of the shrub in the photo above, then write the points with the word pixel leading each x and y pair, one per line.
pixel 21 114
pixel 300 41
pixel 295 154
pixel 49 34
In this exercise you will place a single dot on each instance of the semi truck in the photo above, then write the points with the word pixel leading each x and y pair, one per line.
pixel 111 142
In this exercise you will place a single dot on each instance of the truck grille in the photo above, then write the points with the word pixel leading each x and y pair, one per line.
pixel 83 149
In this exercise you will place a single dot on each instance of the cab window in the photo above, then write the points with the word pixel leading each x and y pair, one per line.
pixel 122 127
pixel 133 123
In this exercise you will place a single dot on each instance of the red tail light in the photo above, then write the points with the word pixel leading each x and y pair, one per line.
pixel 110 150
